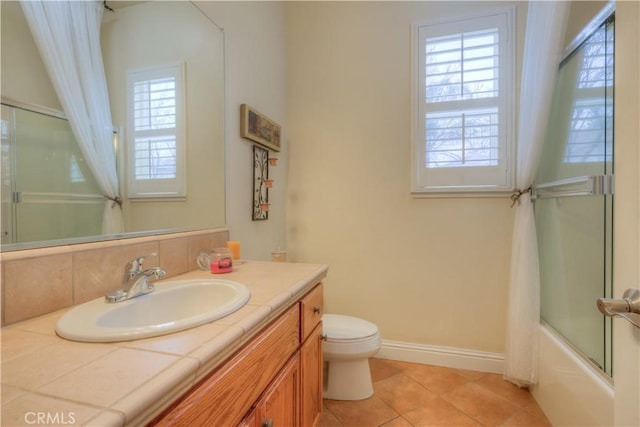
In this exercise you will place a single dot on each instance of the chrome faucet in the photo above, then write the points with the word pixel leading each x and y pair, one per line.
pixel 136 280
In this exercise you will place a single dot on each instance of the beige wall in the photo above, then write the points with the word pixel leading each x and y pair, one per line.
pixel 255 74
pixel 581 12
pixel 24 77
pixel 426 271
pixel 166 33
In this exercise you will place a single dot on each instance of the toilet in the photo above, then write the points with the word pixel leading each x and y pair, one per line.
pixel 349 342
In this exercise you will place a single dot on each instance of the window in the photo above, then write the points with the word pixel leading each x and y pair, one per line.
pixel 156 132
pixel 464 100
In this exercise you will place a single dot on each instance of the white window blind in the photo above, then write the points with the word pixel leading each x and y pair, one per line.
pixel 464 98
pixel 462 66
pixel 156 123
pixel 463 138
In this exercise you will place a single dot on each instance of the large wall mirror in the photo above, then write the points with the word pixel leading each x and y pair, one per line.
pixel 48 194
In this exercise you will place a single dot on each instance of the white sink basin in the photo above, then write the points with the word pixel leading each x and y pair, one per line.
pixel 174 306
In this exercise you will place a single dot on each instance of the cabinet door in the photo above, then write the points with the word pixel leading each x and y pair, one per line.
pixel 312 385
pixel 279 406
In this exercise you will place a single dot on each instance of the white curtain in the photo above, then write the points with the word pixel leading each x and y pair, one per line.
pixel 546 22
pixel 67 34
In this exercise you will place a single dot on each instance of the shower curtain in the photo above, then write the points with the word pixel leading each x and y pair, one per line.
pixel 546 22
pixel 67 34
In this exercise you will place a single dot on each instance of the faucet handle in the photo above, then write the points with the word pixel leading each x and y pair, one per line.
pixel 134 266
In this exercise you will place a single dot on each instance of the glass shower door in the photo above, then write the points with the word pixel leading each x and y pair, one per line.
pixel 48 191
pixel 574 199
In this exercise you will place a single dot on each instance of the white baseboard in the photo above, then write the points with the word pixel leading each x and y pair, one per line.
pixel 449 357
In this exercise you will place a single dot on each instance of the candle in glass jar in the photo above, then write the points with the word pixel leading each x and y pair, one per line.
pixel 221 261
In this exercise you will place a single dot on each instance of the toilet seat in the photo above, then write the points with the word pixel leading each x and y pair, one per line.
pixel 349 337
pixel 339 328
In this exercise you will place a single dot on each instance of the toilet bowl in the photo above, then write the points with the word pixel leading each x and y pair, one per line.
pixel 349 342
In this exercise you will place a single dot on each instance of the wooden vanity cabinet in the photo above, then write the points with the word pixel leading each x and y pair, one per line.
pixel 228 393
pixel 275 380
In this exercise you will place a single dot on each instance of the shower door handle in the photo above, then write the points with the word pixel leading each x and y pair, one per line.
pixel 627 307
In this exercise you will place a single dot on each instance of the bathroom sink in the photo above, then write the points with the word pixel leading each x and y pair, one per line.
pixel 174 306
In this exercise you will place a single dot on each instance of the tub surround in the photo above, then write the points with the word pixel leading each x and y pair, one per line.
pixel 566 381
pixel 129 383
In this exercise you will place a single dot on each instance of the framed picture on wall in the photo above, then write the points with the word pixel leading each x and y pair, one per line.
pixel 259 128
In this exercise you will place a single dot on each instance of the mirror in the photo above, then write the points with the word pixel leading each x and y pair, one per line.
pixel 135 36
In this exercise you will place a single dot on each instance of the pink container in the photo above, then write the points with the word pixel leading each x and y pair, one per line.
pixel 221 261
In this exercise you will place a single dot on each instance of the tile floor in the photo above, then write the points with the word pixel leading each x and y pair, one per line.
pixel 408 394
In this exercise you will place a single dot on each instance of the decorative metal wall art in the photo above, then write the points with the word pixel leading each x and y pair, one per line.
pixel 261 183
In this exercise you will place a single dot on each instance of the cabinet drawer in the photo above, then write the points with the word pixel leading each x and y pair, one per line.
pixel 225 396
pixel 311 309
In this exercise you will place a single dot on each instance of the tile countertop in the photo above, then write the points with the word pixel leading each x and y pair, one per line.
pixel 53 381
